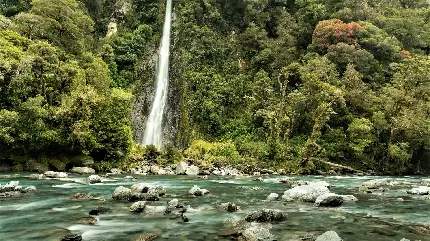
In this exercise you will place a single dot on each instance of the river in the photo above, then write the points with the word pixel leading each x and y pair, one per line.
pixel 50 213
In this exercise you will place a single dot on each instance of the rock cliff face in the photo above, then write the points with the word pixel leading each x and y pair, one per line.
pixel 144 93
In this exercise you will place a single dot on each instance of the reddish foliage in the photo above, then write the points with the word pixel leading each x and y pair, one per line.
pixel 404 54
pixel 335 31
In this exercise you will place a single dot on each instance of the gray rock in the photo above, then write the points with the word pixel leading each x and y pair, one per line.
pixel 156 209
pixel 403 239
pixel 83 170
pixel 140 187
pixel 72 237
pixel 329 200
pixel 272 197
pixel 37 176
pixel 307 193
pixel 94 179
pixel 181 168
pixel 174 203
pixel 197 191
pixel 122 193
pixel 115 171
pixel 9 194
pixel 155 169
pixel 349 198
pixel 230 207
pixel 422 190
pixel 329 236
pixel 138 207
pixel 192 171
pixel 258 233
pixel 100 210
pixel 265 215
pixel 30 189
pixel 372 184
pixel 9 187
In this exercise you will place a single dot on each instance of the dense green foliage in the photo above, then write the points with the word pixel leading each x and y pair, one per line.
pixel 281 83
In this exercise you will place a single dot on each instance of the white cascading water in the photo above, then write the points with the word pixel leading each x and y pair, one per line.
pixel 153 132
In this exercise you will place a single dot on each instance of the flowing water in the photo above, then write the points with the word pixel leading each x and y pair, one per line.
pixel 51 213
pixel 153 130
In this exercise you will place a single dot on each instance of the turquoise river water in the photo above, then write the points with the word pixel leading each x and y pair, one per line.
pixel 50 213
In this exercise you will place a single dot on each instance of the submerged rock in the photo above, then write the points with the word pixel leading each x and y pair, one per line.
pixel 265 215
pixel 145 237
pixel 82 196
pixel 349 198
pixel 94 179
pixel 422 190
pixel 138 207
pixel 307 193
pixel 272 197
pixel 196 191
pixel 329 236
pixel 258 233
pixel 52 174
pixel 329 200
pixel 72 237
pixel 83 170
pixel 99 210
pixel 230 207
pixel 122 193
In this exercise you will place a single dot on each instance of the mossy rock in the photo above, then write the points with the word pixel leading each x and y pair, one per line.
pixel 34 166
pixel 81 161
pixel 57 165
pixel 17 168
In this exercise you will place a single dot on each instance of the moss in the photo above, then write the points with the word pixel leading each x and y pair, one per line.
pixel 17 168
pixel 57 165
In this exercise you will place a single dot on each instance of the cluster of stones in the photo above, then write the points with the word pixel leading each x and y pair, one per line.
pixel 315 192
pixel 13 189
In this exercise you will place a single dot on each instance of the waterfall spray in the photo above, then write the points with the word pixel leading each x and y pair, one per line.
pixel 153 132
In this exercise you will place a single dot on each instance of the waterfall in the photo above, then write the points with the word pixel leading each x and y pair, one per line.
pixel 153 131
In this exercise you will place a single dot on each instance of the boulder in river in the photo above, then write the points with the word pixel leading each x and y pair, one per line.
pixel 94 179
pixel 52 174
pixel 329 200
pixel 265 215
pixel 83 170
pixel 422 190
pixel 272 197
pixel 122 193
pixel 29 189
pixel 368 186
pixel 329 236
pixel 230 207
pixel 181 168
pixel 258 233
pixel 307 193
pixel 72 237
pixel 174 203
pixel 197 191
pixel 37 176
pixel 192 171
pixel 138 207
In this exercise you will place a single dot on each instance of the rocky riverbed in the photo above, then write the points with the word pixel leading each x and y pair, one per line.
pixel 86 206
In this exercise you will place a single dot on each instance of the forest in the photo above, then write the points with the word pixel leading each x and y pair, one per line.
pixel 274 83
